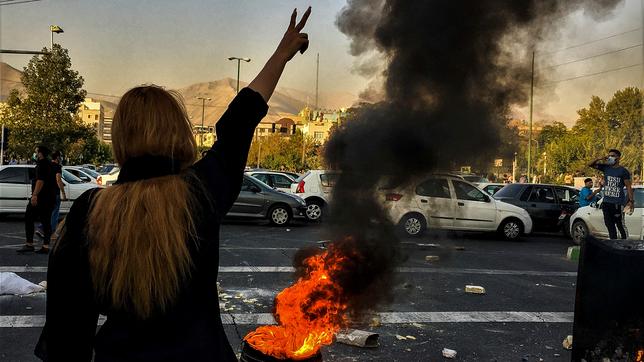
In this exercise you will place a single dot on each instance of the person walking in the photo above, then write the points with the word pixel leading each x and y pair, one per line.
pixel 57 169
pixel 616 178
pixel 41 203
pixel 145 251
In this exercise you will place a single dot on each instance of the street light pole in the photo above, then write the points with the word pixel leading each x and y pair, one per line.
pixel 203 109
pixel 530 132
pixel 54 29
pixel 238 66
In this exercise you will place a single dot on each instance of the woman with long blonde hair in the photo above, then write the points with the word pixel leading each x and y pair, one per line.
pixel 145 252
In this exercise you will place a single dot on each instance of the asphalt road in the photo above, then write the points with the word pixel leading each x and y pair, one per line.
pixel 524 316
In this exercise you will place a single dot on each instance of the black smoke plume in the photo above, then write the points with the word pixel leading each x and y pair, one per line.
pixel 453 69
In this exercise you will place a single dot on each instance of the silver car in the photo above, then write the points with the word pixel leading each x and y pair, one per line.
pixel 258 200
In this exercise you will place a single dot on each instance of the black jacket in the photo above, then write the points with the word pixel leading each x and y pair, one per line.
pixel 191 330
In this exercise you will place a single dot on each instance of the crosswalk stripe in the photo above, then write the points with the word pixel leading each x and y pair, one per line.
pixel 37 321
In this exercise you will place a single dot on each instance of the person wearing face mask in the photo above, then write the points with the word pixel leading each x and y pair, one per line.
pixel 616 178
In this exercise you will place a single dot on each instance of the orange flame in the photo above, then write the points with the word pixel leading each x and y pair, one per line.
pixel 309 312
pixel 640 356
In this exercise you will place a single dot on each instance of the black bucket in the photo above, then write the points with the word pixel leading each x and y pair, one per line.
pixel 609 303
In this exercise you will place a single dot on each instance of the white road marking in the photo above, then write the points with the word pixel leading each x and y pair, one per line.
pixel 289 269
pixel 37 321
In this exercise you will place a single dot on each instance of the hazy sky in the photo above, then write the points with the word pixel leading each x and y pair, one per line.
pixel 119 44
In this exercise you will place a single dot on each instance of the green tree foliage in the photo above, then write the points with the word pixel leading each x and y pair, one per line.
pixel 46 113
pixel 277 152
pixel 602 125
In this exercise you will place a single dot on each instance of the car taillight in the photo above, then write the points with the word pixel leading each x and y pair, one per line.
pixel 393 197
pixel 99 180
pixel 300 187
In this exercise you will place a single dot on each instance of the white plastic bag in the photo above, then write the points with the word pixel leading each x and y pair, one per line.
pixel 11 283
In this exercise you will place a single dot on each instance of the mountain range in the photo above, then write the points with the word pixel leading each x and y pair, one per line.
pixel 285 101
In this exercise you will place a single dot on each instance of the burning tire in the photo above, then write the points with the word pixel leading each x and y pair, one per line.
pixel 314 210
pixel 279 215
pixel 579 231
pixel 511 229
pixel 413 225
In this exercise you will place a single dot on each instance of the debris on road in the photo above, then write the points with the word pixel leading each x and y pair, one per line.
pixel 432 258
pixel 358 338
pixel 375 322
pixel 474 289
pixel 411 337
pixel 12 284
pixel 567 342
pixel 400 338
pixel 449 353
pixel 459 248
pixel 573 253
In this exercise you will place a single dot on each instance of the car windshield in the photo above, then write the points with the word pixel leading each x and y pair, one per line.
pixel 71 179
pixel 509 191
pixel 257 181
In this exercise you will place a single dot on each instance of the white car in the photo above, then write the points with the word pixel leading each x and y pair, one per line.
pixel 108 175
pixel 277 180
pixel 315 188
pixel 85 174
pixel 450 203
pixel 15 188
pixel 589 220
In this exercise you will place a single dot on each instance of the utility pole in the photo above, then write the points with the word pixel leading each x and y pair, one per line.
pixel 203 111
pixel 530 131
pixel 303 149
pixel 2 147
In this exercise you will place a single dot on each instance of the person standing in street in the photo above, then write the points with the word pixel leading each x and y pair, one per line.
pixel 41 204
pixel 586 195
pixel 57 169
pixel 616 178
pixel 145 251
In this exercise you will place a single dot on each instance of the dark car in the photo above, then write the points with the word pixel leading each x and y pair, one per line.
pixel 258 200
pixel 549 206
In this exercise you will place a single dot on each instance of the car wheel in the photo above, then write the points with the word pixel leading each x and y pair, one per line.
pixel 579 231
pixel 314 210
pixel 413 225
pixel 279 215
pixel 511 229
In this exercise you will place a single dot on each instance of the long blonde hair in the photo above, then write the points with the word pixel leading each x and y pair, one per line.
pixel 138 230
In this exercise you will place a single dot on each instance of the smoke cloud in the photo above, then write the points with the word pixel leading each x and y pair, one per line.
pixel 453 69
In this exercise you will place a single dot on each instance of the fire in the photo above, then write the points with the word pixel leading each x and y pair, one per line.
pixel 309 312
pixel 640 356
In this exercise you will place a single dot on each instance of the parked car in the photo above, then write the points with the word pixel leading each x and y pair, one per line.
pixel 589 220
pixel 277 180
pixel 258 200
pixel 450 203
pixel 550 206
pixel 89 166
pixel 85 174
pixel 315 188
pixel 15 188
pixel 489 187
pixel 109 175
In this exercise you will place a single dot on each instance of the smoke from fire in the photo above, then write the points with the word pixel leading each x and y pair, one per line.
pixel 453 69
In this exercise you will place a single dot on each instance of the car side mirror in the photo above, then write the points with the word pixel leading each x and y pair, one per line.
pixel 255 189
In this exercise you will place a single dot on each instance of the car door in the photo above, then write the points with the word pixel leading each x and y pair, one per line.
pixel 543 208
pixel 15 189
pixel 434 198
pixel 250 201
pixel 474 210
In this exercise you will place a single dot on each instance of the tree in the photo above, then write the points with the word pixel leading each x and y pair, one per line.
pixel 277 152
pixel 46 113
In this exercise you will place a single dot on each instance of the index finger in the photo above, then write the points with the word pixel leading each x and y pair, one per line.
pixel 302 22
